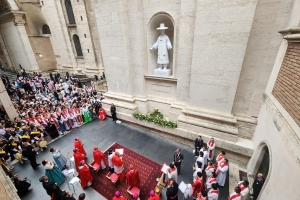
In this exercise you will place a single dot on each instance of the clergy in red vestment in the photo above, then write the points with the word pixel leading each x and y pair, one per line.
pixel 132 177
pixel 102 114
pixel 118 196
pixel 99 157
pixel 197 185
pixel 79 145
pixel 77 157
pixel 85 176
pixel 118 165
pixel 153 196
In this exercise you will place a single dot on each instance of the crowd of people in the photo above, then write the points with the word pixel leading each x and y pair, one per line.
pixel 208 175
pixel 46 110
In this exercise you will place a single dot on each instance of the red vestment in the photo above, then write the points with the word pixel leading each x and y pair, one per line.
pixel 197 186
pixel 155 197
pixel 133 178
pixel 118 163
pixel 78 157
pixel 102 114
pixel 85 176
pixel 98 156
pixel 118 198
pixel 78 144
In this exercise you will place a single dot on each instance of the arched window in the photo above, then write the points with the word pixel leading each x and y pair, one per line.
pixel 70 12
pixel 77 45
pixel 46 29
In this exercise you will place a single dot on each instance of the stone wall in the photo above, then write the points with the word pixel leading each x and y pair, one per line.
pixel 286 89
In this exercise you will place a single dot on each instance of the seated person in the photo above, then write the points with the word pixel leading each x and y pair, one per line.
pixel 21 186
pixel 118 196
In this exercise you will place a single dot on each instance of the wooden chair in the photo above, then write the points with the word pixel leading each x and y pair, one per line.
pixel 95 166
pixel 113 177
pixel 133 190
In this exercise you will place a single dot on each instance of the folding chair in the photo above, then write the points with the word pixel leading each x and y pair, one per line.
pixel 113 177
pixel 133 190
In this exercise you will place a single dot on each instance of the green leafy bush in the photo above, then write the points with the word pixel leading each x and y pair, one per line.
pixel 156 117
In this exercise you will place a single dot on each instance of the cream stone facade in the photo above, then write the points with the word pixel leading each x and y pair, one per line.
pixel 222 56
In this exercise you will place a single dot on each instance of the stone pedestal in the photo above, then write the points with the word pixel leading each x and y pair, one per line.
pixel 6 103
pixel 162 72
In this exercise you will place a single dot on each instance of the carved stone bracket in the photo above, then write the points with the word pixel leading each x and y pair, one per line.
pixel 18 17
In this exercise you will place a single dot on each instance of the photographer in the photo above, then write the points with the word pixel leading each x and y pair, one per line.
pixel 22 185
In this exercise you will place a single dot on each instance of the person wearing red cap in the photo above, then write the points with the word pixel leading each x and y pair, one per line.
pixel 153 196
pixel 79 145
pixel 99 157
pixel 118 165
pixel 85 176
pixel 77 157
pixel 118 196
pixel 132 177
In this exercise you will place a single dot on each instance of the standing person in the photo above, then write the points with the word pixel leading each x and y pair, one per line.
pixel 28 151
pixel 102 114
pixel 47 185
pixel 204 150
pixel 172 191
pixel 197 184
pixel 85 176
pixel 211 148
pixel 178 158
pixel 118 165
pixel 110 164
pixel 132 177
pixel 201 195
pixel 118 196
pixel 79 145
pixel 198 143
pixel 22 186
pixel 213 193
pixel 52 130
pixel 172 173
pixel 209 169
pixel 153 196
pixel 59 159
pixel 77 157
pixel 99 157
pixel 220 158
pixel 235 195
pixel 81 196
pixel 113 111
pixel 201 159
pixel 244 189
pixel 222 172
pixel 257 185
pixel 53 172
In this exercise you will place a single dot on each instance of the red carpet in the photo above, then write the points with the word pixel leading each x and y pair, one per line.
pixel 148 170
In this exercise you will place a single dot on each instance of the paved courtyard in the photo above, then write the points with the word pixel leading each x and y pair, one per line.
pixel 103 134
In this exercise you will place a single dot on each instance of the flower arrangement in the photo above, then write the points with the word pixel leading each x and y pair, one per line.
pixel 156 117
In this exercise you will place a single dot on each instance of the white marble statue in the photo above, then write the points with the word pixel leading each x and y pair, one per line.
pixel 163 44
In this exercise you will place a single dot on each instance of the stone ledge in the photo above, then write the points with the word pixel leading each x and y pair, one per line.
pixel 170 79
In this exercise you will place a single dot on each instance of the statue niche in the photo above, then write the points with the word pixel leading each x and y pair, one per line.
pixel 161 62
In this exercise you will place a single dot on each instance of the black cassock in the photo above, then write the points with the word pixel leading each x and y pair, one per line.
pixel 172 193
pixel 52 130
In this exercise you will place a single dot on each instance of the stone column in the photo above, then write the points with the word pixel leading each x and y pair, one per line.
pixel 6 103
pixel 20 22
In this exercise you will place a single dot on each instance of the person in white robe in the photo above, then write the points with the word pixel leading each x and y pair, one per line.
pixel 205 154
pixel 201 159
pixel 220 158
pixel 213 193
pixel 188 193
pixel 236 194
pixel 110 164
pixel 197 168
pixel 72 119
pixel 211 148
pixel 209 169
pixel 222 172
pixel 211 180
pixel 244 185
pixel 172 173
